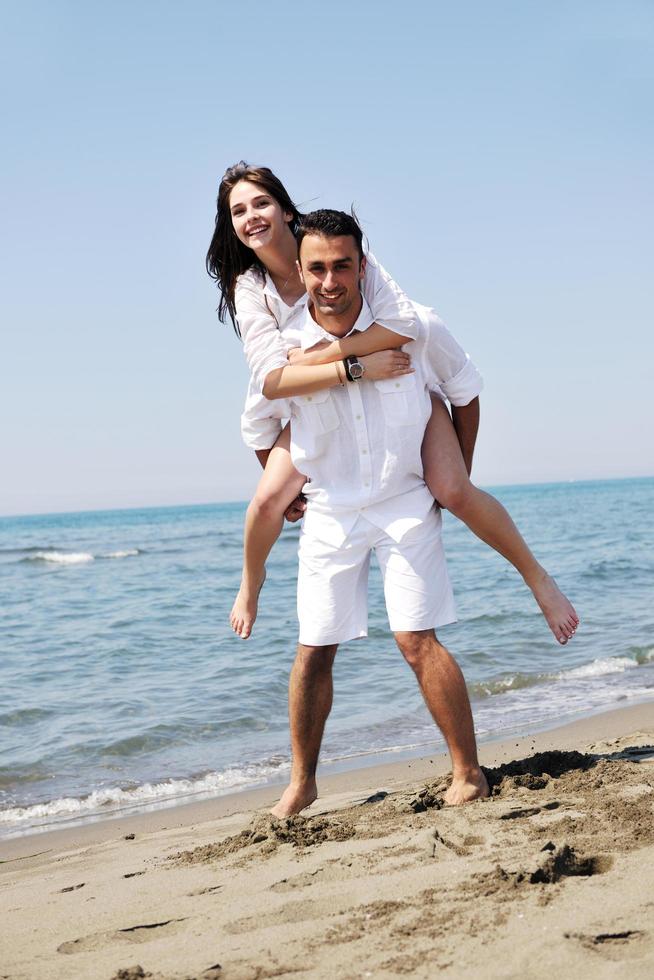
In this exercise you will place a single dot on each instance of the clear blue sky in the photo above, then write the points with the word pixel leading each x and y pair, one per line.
pixel 499 155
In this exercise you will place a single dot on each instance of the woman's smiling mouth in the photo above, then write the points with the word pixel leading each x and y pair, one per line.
pixel 257 231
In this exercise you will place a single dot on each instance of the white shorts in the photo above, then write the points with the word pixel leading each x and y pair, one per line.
pixel 332 587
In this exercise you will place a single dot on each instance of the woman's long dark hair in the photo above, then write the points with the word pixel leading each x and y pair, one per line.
pixel 228 257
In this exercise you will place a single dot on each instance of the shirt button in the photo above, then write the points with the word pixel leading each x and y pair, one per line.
pixel 364 452
pixel 358 418
pixel 309 398
pixel 366 484
pixel 397 384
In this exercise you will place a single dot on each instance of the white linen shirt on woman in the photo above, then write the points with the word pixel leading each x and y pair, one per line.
pixel 262 316
pixel 359 444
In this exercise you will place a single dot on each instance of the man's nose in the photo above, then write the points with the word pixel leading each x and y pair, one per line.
pixel 329 281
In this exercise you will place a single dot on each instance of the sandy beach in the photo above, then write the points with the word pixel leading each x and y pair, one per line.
pixel 553 874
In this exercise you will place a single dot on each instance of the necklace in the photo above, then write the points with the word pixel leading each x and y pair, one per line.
pixel 280 288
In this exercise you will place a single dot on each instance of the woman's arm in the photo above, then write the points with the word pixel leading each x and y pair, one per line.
pixel 374 339
pixel 263 346
pixel 286 382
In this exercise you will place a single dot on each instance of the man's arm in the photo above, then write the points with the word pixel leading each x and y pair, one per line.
pixel 466 424
pixel 262 455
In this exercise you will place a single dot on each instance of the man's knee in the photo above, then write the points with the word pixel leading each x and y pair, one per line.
pixel 315 659
pixel 414 646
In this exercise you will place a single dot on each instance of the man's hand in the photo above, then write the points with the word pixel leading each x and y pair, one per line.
pixel 465 419
pixel 386 364
pixel 296 510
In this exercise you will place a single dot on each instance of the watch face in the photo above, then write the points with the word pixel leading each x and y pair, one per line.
pixel 356 370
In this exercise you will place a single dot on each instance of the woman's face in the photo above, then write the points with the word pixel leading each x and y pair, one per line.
pixel 257 218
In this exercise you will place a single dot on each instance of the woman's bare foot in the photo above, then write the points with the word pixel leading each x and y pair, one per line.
pixel 469 786
pixel 557 609
pixel 244 610
pixel 295 798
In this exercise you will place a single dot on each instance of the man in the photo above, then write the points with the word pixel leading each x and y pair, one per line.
pixel 359 446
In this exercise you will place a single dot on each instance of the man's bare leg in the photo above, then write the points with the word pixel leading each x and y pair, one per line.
pixel 445 694
pixel 310 693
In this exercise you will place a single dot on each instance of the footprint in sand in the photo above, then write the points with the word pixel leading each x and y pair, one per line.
pixel 303 880
pixel 290 913
pixel 132 934
pixel 618 945
pixel 517 813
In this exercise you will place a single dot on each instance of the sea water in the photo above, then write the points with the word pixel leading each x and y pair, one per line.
pixel 122 685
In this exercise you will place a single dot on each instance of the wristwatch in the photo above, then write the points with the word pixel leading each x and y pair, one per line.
pixel 354 369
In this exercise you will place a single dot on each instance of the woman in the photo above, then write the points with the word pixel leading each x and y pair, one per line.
pixel 252 257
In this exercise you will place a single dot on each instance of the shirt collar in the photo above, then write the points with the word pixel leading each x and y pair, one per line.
pixel 364 320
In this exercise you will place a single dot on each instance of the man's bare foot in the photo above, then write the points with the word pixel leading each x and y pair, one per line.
pixel 244 610
pixel 295 798
pixel 470 786
pixel 557 609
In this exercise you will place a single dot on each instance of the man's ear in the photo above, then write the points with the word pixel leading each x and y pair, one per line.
pixel 362 267
pixel 299 269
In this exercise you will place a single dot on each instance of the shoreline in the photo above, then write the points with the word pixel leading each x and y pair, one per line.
pixel 156 817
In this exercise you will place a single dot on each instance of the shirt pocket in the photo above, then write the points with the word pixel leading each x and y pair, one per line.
pixel 398 399
pixel 318 411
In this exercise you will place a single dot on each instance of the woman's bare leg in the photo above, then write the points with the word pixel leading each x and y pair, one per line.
pixel 447 478
pixel 278 487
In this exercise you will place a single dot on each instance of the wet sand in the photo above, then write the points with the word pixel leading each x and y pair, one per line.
pixel 554 873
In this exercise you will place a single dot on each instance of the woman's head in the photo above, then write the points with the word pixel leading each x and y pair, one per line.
pixel 253 207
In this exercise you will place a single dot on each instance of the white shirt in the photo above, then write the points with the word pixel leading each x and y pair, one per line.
pixel 263 317
pixel 359 444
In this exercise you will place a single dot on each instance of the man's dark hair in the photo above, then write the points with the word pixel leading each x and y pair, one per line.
pixel 330 224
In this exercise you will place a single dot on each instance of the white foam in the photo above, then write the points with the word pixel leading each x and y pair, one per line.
pixel 112 798
pixel 60 558
pixel 605 665
pixel 79 557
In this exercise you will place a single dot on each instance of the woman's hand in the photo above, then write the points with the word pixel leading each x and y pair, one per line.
pixel 386 364
pixel 311 357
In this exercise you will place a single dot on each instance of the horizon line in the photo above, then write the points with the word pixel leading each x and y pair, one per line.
pixel 217 503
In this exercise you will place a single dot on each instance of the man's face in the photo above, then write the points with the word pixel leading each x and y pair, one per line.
pixel 331 270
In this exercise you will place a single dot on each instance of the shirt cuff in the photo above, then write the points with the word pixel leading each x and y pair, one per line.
pixel 276 361
pixel 464 386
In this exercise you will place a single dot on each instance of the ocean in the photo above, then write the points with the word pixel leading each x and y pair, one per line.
pixel 122 685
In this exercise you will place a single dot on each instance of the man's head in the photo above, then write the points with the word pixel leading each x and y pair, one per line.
pixel 331 261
